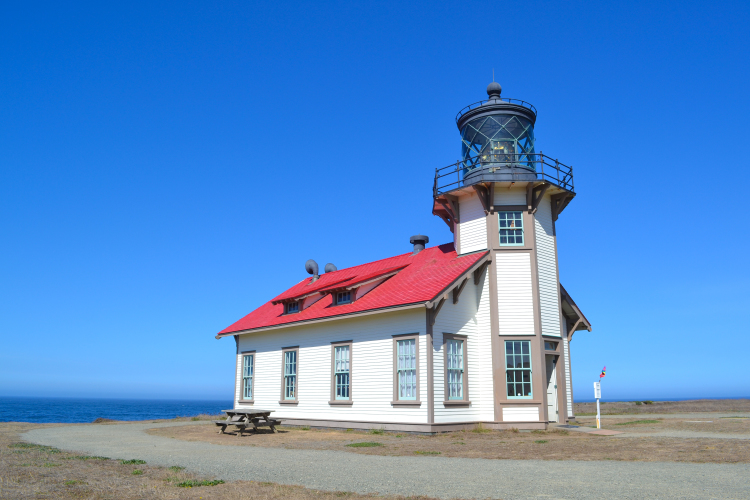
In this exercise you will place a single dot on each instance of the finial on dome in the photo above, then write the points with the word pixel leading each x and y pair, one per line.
pixel 493 90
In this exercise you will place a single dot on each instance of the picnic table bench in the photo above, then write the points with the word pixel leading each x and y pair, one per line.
pixel 244 419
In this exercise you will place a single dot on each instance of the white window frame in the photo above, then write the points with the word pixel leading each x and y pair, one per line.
pixel 337 372
pixel 291 307
pixel 512 227
pixel 291 377
pixel 400 370
pixel 461 370
pixel 345 293
pixel 243 378
pixel 511 367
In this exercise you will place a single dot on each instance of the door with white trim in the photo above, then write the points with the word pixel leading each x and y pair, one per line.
pixel 552 411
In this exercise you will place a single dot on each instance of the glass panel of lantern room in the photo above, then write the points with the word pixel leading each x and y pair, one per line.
pixel 478 135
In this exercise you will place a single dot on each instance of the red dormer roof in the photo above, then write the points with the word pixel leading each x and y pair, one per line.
pixel 414 279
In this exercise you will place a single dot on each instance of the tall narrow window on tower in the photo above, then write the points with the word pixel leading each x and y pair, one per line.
pixel 518 368
pixel 511 228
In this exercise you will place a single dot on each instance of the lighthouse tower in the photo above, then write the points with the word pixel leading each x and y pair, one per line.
pixel 505 196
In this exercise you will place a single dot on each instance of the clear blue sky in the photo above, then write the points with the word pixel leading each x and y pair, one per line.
pixel 167 168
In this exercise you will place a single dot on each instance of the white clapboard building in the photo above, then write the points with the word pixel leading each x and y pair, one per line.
pixel 439 338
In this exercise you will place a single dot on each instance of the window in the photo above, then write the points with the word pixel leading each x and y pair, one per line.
pixel 511 228
pixel 550 346
pixel 341 372
pixel 289 381
pixel 454 366
pixel 247 376
pixel 292 307
pixel 406 356
pixel 246 365
pixel 518 368
pixel 343 297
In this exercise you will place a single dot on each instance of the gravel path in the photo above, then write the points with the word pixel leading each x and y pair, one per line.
pixel 434 476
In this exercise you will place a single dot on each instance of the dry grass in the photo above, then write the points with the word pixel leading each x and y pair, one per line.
pixel 556 444
pixel 39 472
pixel 706 424
pixel 695 406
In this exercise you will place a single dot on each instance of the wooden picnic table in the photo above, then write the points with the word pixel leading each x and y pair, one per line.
pixel 242 419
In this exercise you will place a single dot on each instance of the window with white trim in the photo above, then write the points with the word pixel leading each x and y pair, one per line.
pixel 247 376
pixel 518 368
pixel 343 297
pixel 292 307
pixel 341 372
pixel 511 228
pixel 455 368
pixel 290 375
pixel 406 369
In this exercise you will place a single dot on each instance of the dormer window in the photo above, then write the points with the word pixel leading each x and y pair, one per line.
pixel 343 297
pixel 292 307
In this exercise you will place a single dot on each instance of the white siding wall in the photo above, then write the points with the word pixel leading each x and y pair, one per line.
pixel 512 196
pixel 371 369
pixel 568 382
pixel 514 293
pixel 547 271
pixel 471 317
pixel 472 229
pixel 521 414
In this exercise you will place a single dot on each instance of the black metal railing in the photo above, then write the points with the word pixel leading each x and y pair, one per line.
pixel 475 105
pixel 503 167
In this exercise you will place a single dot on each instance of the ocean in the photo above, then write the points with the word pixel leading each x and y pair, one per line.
pixel 81 410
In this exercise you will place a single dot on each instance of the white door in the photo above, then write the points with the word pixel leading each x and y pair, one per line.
pixel 552 388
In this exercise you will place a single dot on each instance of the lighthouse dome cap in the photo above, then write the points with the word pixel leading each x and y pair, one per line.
pixel 494 89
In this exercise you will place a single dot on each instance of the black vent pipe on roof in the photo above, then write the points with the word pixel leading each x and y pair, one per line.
pixel 312 268
pixel 419 241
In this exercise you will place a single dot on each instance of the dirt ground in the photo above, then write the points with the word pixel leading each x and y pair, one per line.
pixel 694 406
pixel 40 472
pixel 554 444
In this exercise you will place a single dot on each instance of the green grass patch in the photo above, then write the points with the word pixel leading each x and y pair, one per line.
pixel 648 402
pixel 176 468
pixel 193 483
pixel 541 441
pixel 305 428
pixel 427 453
pixel 33 447
pixel 480 429
pixel 639 422
pixel 134 461
pixel 85 457
pixel 71 482
pixel 137 472
pixel 195 419
pixel 366 444
pixel 377 432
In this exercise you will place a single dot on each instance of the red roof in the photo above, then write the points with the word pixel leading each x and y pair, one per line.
pixel 419 278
